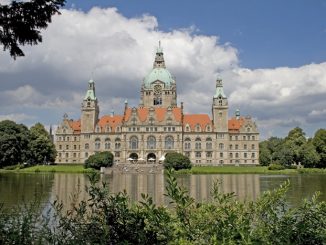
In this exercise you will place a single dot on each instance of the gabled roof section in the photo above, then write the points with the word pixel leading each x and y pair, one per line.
pixel 197 119
pixel 235 124
pixel 160 114
pixel 75 125
pixel 111 121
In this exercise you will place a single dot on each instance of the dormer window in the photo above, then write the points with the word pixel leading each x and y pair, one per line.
pixel 197 128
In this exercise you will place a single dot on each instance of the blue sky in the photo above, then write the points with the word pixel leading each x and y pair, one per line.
pixel 271 56
pixel 266 33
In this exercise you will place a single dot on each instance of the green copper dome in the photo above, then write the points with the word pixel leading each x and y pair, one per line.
pixel 160 74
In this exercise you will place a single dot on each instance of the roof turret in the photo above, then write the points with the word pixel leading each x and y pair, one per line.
pixel 219 93
pixel 90 93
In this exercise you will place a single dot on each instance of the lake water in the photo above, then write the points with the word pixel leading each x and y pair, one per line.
pixel 19 188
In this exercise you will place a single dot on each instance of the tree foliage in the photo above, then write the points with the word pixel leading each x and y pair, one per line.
pixel 14 140
pixel 319 141
pixel 99 159
pixel 21 22
pixel 177 161
pixel 295 149
pixel 41 148
pixel 18 144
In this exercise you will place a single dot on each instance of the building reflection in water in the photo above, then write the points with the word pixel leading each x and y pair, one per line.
pixel 245 186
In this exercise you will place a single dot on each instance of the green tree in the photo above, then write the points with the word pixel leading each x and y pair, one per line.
pixel 264 153
pixel 21 22
pixel 177 161
pixel 309 155
pixel 99 159
pixel 13 143
pixel 41 148
pixel 295 139
pixel 319 142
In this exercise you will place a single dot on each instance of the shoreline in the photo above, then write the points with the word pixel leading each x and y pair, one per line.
pixel 79 169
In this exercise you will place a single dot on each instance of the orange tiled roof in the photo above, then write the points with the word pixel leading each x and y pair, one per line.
pixel 193 119
pixel 177 113
pixel 112 121
pixel 128 114
pixel 142 113
pixel 75 125
pixel 235 124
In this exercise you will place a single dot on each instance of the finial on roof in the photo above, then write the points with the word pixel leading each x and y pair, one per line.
pixel 112 113
pixel 237 114
pixel 126 101
pixel 65 116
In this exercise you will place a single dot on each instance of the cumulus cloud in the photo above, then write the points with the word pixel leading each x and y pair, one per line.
pixel 117 52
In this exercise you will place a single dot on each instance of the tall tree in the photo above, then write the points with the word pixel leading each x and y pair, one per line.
pixel 319 142
pixel 21 22
pixel 295 139
pixel 13 143
pixel 308 155
pixel 41 147
pixel 265 155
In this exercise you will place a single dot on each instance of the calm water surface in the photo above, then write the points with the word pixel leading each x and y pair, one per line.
pixel 19 188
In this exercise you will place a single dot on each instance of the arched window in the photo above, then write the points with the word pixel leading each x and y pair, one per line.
pixel 187 128
pixel 197 128
pixel 97 144
pixel 86 146
pixel 187 144
pixel 151 142
pixel 220 146
pixel 208 128
pixel 197 143
pixel 169 143
pixel 117 143
pixel 133 143
pixel 253 146
pixel 209 144
pixel 107 143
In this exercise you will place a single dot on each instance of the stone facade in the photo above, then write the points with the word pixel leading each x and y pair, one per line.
pixel 158 126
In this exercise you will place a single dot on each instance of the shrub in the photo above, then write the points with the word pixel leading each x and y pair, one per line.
pixel 99 159
pixel 276 166
pixel 177 161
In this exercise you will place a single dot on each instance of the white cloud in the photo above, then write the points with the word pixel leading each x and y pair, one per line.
pixel 119 52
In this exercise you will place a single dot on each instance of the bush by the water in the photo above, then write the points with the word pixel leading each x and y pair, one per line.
pixel 99 159
pixel 276 166
pixel 177 161
pixel 106 218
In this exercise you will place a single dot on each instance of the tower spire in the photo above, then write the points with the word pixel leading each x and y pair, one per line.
pixel 90 93
pixel 159 58
pixel 219 92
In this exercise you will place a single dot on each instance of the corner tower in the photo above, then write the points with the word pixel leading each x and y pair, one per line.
pixel 159 87
pixel 90 109
pixel 220 108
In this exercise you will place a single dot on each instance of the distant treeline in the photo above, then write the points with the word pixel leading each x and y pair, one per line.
pixel 295 149
pixel 20 145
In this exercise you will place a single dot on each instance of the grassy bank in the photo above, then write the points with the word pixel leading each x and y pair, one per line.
pixel 52 169
pixel 246 170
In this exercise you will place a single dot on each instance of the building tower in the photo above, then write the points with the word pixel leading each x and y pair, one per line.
pixel 159 87
pixel 220 109
pixel 90 109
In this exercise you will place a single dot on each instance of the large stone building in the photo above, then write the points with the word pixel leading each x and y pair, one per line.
pixel 158 126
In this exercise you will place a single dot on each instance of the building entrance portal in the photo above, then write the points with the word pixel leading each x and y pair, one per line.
pixel 133 156
pixel 151 158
